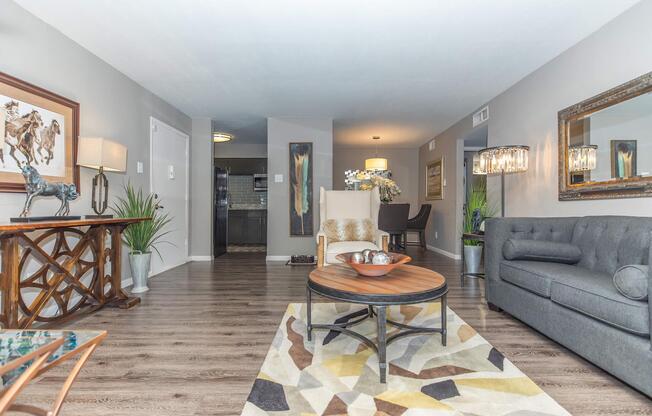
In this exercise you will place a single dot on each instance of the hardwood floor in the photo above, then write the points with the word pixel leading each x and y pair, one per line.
pixel 195 344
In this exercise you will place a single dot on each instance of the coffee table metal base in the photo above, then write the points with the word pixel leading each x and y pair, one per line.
pixel 380 312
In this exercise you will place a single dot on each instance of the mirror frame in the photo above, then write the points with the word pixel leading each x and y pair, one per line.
pixel 636 187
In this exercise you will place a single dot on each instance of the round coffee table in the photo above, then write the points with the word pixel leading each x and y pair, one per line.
pixel 405 285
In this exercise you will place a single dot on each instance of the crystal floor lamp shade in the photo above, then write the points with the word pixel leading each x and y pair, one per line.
pixel 102 155
pixel 500 160
pixel 582 158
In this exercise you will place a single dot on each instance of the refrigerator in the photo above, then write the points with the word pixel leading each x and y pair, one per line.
pixel 220 211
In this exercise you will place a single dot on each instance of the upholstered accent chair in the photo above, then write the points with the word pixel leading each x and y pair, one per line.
pixel 342 206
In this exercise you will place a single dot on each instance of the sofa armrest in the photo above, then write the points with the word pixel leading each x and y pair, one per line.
pixel 382 240
pixel 499 230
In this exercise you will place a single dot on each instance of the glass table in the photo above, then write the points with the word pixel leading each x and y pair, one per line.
pixel 27 354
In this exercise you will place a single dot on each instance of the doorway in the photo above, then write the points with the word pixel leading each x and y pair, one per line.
pixel 169 179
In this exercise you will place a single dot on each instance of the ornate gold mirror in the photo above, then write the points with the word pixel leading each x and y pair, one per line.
pixel 605 144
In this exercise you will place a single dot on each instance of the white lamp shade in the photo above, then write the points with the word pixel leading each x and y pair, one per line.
pixel 98 152
pixel 376 163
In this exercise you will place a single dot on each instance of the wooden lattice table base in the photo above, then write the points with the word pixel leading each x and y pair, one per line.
pixel 51 270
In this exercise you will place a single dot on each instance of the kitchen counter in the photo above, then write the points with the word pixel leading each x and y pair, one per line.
pixel 247 207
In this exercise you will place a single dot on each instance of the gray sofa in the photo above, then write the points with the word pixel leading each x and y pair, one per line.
pixel 578 304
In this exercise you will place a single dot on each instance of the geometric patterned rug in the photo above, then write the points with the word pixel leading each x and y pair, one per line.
pixel 337 375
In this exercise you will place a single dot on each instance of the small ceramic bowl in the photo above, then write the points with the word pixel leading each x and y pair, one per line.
pixel 375 270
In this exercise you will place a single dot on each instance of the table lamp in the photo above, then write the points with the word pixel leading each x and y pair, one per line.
pixel 102 155
pixel 501 160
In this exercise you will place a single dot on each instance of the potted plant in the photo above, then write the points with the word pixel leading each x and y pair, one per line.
pixel 141 237
pixel 475 211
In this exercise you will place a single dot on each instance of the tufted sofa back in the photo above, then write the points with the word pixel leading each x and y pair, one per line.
pixel 544 229
pixel 610 242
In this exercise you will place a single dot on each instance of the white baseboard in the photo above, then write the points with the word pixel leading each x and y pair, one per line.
pixel 444 252
pixel 277 258
pixel 200 258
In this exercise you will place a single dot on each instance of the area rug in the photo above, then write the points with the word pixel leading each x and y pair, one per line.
pixel 337 375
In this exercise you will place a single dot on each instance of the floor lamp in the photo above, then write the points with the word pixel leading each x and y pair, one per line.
pixel 501 160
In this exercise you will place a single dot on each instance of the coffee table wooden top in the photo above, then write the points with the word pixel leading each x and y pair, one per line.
pixel 405 284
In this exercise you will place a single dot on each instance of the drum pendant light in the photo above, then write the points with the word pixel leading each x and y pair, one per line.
pixel 376 163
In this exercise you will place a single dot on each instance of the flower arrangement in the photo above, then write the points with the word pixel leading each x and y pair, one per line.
pixel 366 180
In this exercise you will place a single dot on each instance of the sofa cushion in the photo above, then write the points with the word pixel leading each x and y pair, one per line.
pixel 352 229
pixel 536 276
pixel 631 281
pixel 610 242
pixel 539 250
pixel 598 298
pixel 333 249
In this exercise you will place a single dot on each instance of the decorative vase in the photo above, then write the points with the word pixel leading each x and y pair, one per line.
pixel 472 258
pixel 139 263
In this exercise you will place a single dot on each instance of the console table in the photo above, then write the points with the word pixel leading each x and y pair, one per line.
pixel 50 270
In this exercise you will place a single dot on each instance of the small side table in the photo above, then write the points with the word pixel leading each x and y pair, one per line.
pixel 27 354
pixel 475 237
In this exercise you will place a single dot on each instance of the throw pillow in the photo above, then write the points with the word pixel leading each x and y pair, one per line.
pixel 349 230
pixel 539 250
pixel 632 280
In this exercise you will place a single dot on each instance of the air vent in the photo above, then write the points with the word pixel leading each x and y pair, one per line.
pixel 481 116
pixel 431 145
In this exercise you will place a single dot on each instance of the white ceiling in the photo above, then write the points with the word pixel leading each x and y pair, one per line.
pixel 404 70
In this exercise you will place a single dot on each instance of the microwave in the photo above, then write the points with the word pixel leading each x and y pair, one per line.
pixel 260 182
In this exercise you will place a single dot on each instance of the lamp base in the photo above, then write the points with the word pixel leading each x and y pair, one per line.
pixel 98 217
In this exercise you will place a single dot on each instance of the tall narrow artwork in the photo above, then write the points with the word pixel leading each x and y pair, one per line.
pixel 301 215
pixel 623 158
pixel 39 129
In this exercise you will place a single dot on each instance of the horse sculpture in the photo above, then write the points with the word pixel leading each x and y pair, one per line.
pixel 48 135
pixel 35 185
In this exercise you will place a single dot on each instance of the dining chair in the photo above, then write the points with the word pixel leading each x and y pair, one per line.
pixel 393 219
pixel 418 224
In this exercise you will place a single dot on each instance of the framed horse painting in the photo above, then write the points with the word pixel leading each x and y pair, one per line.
pixel 39 129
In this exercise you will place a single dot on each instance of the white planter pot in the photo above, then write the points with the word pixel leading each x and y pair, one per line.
pixel 139 264
pixel 472 258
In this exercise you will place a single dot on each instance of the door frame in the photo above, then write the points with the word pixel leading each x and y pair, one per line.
pixel 152 121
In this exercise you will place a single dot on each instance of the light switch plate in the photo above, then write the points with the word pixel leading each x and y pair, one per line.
pixel 171 172
pixel 139 167
pixel 278 178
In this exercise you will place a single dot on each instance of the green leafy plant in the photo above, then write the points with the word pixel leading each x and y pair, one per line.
pixel 141 237
pixel 476 199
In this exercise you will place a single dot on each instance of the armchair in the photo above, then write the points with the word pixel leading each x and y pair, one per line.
pixel 348 205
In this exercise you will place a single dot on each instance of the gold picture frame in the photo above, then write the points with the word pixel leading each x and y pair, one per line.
pixel 435 180
pixel 39 128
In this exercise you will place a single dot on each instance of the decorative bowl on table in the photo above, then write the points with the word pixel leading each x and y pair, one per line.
pixel 373 270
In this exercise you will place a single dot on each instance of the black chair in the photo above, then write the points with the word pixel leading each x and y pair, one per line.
pixel 418 224
pixel 393 219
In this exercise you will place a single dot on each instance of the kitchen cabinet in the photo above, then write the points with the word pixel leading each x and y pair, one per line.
pixel 247 226
pixel 242 166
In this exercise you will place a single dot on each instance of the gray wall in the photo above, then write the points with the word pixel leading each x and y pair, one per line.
pixel 280 132
pixel 201 188
pixel 235 149
pixel 112 105
pixel 527 113
pixel 446 214
pixel 401 162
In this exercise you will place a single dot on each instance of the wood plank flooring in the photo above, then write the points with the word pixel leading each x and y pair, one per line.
pixel 195 344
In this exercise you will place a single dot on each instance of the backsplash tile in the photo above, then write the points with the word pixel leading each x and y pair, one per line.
pixel 241 189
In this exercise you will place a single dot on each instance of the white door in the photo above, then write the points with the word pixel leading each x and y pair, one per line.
pixel 169 180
